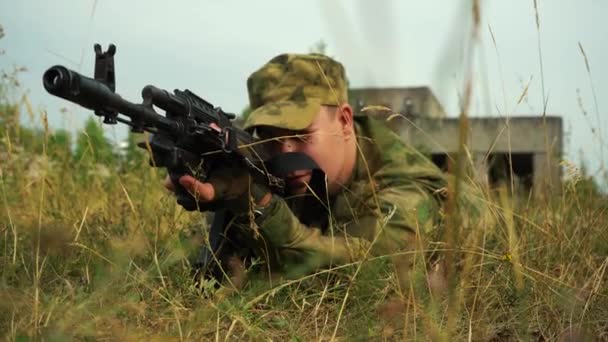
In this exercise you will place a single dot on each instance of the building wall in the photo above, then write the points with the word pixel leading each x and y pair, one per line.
pixel 411 101
pixel 520 134
pixel 519 142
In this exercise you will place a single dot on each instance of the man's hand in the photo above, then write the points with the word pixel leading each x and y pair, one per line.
pixel 230 186
pixel 203 192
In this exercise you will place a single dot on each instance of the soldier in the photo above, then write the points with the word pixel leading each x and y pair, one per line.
pixel 380 192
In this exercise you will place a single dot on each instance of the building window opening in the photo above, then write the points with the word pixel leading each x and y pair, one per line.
pixel 441 160
pixel 521 165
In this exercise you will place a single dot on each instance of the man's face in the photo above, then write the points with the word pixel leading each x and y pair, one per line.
pixel 325 141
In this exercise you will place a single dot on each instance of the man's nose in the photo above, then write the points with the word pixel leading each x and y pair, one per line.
pixel 288 145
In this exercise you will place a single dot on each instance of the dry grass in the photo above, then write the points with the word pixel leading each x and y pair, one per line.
pixel 97 253
pixel 88 253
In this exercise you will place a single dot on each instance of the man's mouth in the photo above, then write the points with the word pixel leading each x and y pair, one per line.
pixel 298 179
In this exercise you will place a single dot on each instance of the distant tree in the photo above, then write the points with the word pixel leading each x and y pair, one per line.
pixel 92 146
pixel 134 155
pixel 9 119
pixel 30 139
pixel 319 47
pixel 10 110
pixel 245 113
pixel 584 183
pixel 59 145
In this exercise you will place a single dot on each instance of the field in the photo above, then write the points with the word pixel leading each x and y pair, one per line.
pixel 92 247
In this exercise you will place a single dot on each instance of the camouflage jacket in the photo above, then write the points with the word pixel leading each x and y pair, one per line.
pixel 391 197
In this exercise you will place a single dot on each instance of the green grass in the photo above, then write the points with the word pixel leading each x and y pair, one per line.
pixel 89 253
pixel 93 250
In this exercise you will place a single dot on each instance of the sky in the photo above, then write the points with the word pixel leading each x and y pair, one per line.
pixel 211 47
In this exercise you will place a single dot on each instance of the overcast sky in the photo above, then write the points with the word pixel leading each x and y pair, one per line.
pixel 211 47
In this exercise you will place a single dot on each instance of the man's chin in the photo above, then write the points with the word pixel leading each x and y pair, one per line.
pixel 297 189
pixel 298 185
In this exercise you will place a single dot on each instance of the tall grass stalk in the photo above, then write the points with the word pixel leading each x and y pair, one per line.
pixel 94 250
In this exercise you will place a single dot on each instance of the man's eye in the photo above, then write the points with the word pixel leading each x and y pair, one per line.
pixel 267 138
pixel 304 136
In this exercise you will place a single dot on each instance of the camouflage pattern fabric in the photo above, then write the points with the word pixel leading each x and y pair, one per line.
pixel 288 91
pixel 394 193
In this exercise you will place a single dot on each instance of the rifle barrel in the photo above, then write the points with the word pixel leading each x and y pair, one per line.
pixel 96 95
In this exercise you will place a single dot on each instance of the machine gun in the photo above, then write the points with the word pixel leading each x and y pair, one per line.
pixel 193 137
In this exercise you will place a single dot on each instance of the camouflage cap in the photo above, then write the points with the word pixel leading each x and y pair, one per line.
pixel 288 91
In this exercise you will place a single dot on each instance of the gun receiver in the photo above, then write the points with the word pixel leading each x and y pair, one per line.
pixel 193 137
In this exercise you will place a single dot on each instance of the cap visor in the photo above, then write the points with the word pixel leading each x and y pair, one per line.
pixel 286 114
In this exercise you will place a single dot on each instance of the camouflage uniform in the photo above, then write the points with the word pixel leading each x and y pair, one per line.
pixel 393 191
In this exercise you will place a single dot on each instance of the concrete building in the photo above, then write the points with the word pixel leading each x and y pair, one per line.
pixel 411 101
pixel 529 146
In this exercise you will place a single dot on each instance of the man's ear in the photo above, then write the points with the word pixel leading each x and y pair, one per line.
pixel 344 114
